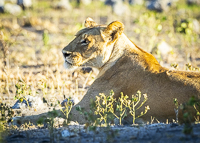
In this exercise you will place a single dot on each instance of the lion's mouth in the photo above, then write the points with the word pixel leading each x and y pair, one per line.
pixel 68 62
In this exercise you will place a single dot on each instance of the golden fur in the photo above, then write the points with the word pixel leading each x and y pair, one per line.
pixel 124 67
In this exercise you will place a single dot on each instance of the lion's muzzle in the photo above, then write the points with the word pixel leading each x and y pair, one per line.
pixel 66 54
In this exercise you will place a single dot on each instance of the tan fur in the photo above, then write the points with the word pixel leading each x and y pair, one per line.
pixel 126 68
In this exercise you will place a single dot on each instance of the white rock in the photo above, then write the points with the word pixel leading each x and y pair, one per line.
pixel 119 8
pixel 2 3
pixel 25 3
pixel 164 48
pixel 196 26
pixel 86 2
pixel 13 9
pixel 63 4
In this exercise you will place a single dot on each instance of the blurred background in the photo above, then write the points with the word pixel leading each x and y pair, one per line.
pixel 34 32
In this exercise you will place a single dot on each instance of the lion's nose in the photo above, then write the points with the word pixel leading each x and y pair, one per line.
pixel 66 54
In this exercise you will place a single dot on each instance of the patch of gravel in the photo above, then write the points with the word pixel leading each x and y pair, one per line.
pixel 152 133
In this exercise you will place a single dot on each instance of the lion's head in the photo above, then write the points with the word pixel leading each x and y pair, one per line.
pixel 93 45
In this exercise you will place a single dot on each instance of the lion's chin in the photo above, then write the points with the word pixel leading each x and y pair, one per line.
pixel 70 66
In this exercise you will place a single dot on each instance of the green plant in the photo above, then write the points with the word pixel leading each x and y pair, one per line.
pixel 121 108
pixel 105 106
pixel 22 89
pixel 176 109
pixel 92 120
pixel 185 26
pixel 6 114
pixel 45 37
pixel 68 106
pixel 174 65
pixel 50 123
pixel 191 68
pixel 44 87
pixel 187 114
pixel 134 102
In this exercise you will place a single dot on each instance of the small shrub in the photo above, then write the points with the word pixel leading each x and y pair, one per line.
pixel 134 102
pixel 45 37
pixel 187 116
pixel 105 106
pixel 68 106
pixel 6 115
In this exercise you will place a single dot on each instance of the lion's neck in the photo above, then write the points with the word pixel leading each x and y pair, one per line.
pixel 120 48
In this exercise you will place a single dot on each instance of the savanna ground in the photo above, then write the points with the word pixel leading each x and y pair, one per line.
pixel 31 61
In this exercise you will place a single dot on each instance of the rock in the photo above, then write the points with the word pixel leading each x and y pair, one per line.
pixel 63 4
pixel 109 2
pixel 2 6
pixel 164 52
pixel 58 121
pixel 25 3
pixel 196 26
pixel 118 7
pixel 31 101
pixel 193 2
pixel 67 133
pixel 1 9
pixel 73 123
pixel 13 9
pixel 86 70
pixel 160 5
pixel 86 2
pixel 136 2
pixel 164 48
pixel 74 101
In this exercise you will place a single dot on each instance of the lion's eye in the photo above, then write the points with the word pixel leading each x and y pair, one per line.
pixel 84 42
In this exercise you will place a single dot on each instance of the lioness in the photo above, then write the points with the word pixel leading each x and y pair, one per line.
pixel 124 67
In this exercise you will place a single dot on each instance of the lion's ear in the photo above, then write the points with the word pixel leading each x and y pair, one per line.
pixel 89 22
pixel 114 30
